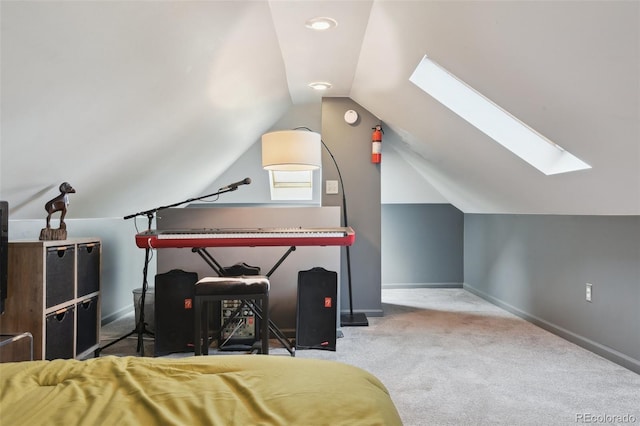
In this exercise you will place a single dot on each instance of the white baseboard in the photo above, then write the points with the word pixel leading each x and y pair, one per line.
pixel 421 285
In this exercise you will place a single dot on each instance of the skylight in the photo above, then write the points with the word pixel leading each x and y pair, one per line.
pixel 492 120
pixel 291 185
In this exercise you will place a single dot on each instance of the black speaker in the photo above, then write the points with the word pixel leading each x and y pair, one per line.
pixel 316 309
pixel 173 312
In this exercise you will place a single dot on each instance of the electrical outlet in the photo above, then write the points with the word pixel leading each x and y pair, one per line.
pixel 589 292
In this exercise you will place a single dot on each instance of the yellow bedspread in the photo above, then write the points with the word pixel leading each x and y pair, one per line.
pixel 209 390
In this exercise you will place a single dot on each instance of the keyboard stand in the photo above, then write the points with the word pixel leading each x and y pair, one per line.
pixel 213 263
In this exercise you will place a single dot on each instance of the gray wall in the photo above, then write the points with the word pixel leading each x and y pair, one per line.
pixel 537 266
pixel 249 164
pixel 422 245
pixel 351 147
pixel 283 290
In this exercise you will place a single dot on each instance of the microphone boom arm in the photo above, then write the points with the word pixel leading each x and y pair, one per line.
pixel 151 212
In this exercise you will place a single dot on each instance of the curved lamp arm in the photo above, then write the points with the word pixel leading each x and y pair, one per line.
pixel 351 319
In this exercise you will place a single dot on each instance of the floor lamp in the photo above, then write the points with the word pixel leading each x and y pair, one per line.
pixel 300 149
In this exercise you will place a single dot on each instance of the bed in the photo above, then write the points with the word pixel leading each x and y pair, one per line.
pixel 209 390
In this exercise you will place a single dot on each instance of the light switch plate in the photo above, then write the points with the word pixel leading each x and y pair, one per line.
pixel 332 187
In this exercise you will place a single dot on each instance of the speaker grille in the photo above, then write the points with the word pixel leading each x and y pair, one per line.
pixel 173 311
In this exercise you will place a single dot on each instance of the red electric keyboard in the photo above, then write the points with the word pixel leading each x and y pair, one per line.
pixel 245 237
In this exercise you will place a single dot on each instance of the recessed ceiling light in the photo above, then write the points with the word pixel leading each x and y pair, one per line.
pixel 320 85
pixel 321 23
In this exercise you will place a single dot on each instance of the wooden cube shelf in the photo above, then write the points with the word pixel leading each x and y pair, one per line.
pixel 54 293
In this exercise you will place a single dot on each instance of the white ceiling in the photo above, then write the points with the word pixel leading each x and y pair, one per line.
pixel 151 101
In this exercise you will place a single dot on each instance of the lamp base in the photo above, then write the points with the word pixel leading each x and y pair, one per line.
pixel 354 320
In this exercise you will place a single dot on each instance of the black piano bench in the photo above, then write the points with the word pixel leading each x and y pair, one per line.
pixel 252 291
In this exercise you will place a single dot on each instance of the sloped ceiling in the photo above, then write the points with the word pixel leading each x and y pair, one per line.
pixel 145 103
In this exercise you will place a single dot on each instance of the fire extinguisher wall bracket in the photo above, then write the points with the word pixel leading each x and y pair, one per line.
pixel 376 144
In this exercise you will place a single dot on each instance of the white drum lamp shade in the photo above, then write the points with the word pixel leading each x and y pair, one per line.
pixel 291 150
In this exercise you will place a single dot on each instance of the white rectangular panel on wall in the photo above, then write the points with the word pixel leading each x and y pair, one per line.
pixel 283 290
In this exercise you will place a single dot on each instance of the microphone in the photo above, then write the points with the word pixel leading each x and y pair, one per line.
pixel 233 186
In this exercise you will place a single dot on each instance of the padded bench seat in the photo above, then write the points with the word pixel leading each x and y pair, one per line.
pixel 253 290
pixel 232 285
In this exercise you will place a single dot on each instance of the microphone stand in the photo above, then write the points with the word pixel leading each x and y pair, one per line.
pixel 141 325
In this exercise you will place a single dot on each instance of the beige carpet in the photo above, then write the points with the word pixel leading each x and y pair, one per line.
pixel 451 358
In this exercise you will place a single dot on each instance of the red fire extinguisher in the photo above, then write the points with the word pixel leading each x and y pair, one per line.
pixel 376 144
